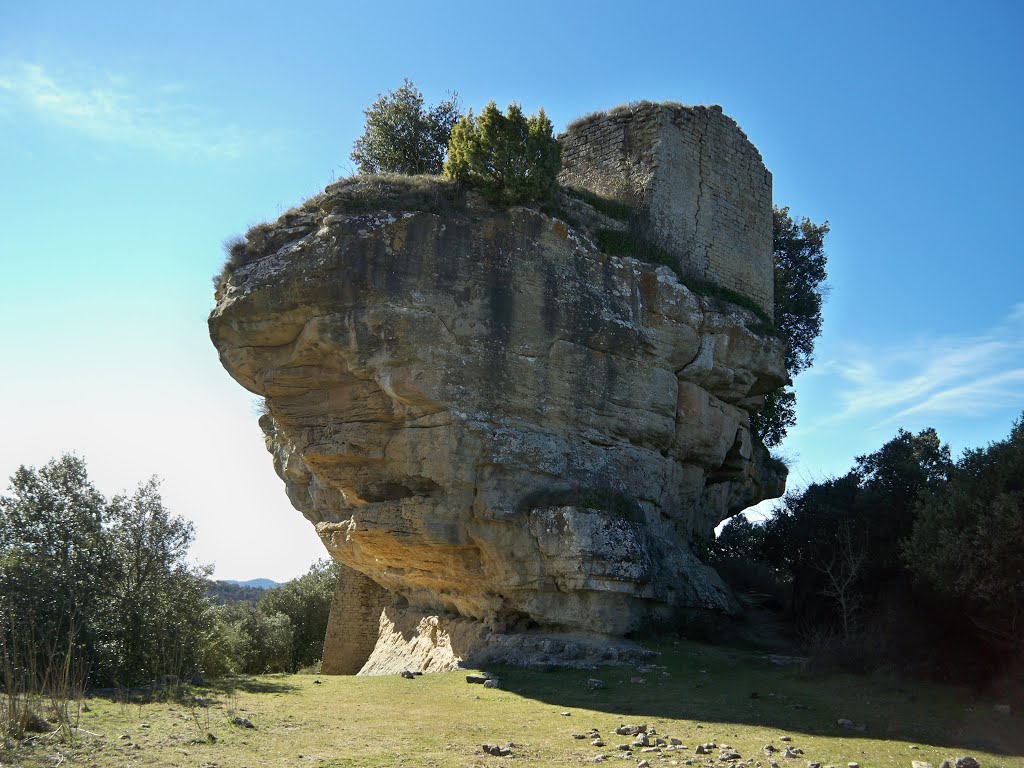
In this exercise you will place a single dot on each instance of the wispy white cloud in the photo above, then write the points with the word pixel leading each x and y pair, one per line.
pixel 112 109
pixel 958 375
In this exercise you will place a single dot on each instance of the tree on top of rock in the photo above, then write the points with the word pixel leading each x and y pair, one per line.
pixel 510 158
pixel 403 136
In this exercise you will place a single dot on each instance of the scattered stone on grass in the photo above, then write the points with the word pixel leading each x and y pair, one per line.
pixel 920 764
pixel 853 765
pixel 631 730
pixel 1002 709
pixel 785 738
pixel 597 743
pixel 967 762
pixel 492 683
pixel 243 722
pixel 643 764
pixel 497 750
pixel 594 684
pixel 565 714
pixel 792 752
pixel 477 679
pixel 600 758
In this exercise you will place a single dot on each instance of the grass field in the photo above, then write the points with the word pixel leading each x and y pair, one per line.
pixel 692 692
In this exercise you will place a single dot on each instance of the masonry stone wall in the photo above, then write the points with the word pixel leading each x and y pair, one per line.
pixel 354 622
pixel 697 184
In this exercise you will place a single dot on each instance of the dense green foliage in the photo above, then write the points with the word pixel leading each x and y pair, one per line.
pixel 983 503
pixel 906 559
pixel 224 592
pixel 739 539
pixel 799 258
pixel 510 158
pixel 107 579
pixel 105 586
pixel 282 632
pixel 798 252
pixel 306 602
pixel 403 136
pixel 839 539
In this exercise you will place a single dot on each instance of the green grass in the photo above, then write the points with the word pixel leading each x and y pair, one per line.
pixel 701 694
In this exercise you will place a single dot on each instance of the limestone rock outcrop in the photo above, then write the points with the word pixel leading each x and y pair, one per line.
pixel 489 419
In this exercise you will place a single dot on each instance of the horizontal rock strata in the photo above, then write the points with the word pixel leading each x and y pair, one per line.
pixel 488 417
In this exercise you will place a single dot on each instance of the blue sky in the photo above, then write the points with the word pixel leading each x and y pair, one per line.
pixel 135 138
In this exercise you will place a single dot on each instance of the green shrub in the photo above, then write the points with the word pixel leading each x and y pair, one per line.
pixel 402 136
pixel 510 158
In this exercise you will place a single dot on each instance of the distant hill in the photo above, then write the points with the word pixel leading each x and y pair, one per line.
pixel 231 591
pixel 258 583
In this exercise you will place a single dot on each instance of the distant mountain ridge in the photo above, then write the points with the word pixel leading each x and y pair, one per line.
pixel 257 583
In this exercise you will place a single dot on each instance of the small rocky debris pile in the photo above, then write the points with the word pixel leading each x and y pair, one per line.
pixel 648 744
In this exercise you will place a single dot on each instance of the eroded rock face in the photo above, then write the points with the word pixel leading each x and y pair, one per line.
pixel 489 417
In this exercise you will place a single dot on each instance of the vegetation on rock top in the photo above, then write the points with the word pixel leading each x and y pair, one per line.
pixel 510 158
pixel 403 136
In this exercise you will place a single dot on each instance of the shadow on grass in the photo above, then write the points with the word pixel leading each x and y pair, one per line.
pixel 205 695
pixel 711 684
pixel 252 684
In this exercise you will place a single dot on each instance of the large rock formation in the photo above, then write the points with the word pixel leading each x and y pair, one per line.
pixel 489 419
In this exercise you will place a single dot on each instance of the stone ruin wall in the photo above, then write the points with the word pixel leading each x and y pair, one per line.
pixel 699 187
pixel 353 625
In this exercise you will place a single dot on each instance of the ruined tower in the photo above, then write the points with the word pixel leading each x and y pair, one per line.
pixel 697 185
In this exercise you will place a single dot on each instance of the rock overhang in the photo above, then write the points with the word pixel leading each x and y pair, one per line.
pixel 487 416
